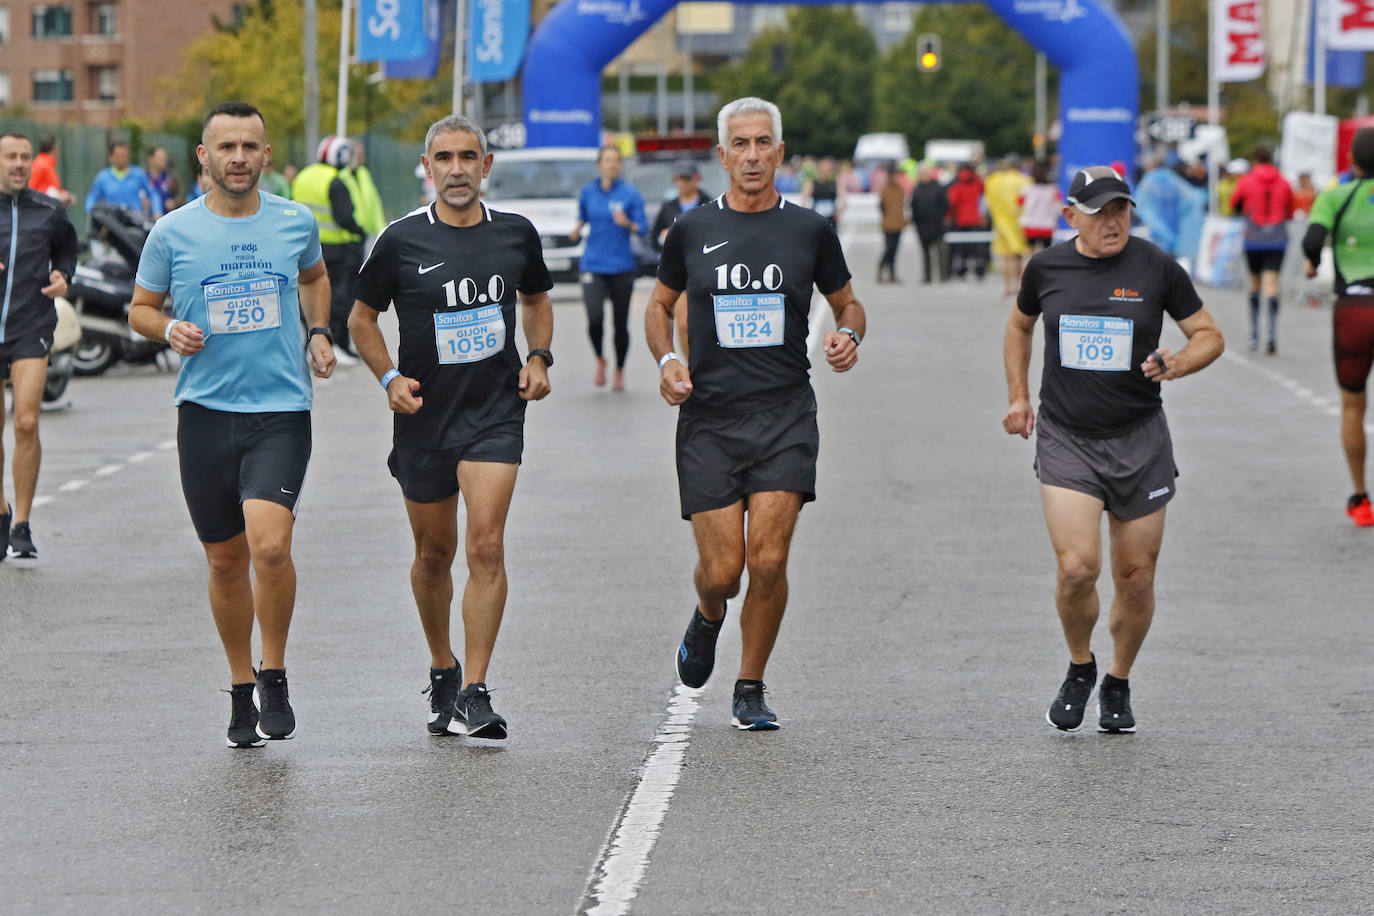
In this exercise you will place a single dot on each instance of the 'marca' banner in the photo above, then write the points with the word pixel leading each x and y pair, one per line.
pixel 1349 24
pixel 1238 40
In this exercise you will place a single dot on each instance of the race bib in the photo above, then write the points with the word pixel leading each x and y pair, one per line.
pixel 240 306
pixel 1095 343
pixel 470 335
pixel 750 320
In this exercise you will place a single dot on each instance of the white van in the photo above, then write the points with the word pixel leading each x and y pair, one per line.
pixel 542 185
pixel 954 152
pixel 872 149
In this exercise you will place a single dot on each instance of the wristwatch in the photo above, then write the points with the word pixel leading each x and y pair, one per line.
pixel 852 336
pixel 328 335
pixel 543 354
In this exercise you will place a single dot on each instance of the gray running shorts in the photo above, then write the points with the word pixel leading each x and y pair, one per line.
pixel 1133 474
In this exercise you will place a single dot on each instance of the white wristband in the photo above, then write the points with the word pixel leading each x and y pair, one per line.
pixel 167 331
pixel 390 374
pixel 663 360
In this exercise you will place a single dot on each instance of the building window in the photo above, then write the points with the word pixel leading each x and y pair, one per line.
pixel 4 87
pixel 4 25
pixel 52 21
pixel 52 86
pixel 105 18
pixel 105 84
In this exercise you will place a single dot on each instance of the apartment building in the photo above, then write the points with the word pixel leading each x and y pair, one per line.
pixel 95 61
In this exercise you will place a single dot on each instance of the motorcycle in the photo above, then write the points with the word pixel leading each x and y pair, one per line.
pixel 102 288
pixel 60 359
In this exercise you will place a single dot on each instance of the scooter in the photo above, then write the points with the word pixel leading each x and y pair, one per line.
pixel 60 359
pixel 102 288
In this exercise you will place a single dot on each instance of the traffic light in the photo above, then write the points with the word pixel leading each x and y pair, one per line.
pixel 928 53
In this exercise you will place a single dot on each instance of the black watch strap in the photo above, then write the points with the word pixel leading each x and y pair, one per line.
pixel 328 334
pixel 543 354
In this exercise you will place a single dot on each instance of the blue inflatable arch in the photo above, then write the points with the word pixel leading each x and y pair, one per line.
pixel 1099 85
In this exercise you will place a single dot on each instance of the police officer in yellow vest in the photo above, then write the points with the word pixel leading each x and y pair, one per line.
pixel 371 216
pixel 328 188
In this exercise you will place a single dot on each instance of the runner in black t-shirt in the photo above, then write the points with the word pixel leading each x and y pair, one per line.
pixel 453 269
pixel 746 436
pixel 1103 441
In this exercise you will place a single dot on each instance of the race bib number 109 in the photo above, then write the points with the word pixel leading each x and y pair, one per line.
pixel 239 306
pixel 1095 343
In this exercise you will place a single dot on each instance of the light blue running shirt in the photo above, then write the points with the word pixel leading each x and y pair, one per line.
pixel 235 279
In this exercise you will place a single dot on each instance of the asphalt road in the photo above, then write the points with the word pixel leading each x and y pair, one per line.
pixel 914 772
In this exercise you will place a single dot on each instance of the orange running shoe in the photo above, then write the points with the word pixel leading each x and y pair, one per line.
pixel 1358 508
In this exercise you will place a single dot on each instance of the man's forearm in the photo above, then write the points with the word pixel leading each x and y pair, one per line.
pixel 538 321
pixel 315 301
pixel 367 339
pixel 1201 350
pixel 148 320
pixel 1016 353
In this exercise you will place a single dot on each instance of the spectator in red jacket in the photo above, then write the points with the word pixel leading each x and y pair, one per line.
pixel 1265 200
pixel 966 214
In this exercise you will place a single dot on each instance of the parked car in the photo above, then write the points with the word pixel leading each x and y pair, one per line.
pixel 542 185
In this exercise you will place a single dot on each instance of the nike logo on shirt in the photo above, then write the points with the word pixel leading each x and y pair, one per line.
pixel 425 270
pixel 707 249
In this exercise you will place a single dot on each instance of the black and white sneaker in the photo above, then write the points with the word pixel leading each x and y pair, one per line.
pixel 21 543
pixel 473 710
pixel 243 719
pixel 1066 712
pixel 443 693
pixel 276 721
pixel 749 712
pixel 696 657
pixel 4 535
pixel 1114 706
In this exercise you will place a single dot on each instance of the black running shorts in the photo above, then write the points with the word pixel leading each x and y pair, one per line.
pixel 721 459
pixel 1133 474
pixel 1352 326
pixel 1264 259
pixel 228 457
pixel 35 346
pixel 430 475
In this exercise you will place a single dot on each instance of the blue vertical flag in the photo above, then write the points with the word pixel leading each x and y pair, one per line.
pixel 1343 68
pixel 426 65
pixel 390 29
pixel 498 30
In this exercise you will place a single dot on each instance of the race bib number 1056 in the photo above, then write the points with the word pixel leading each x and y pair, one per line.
pixel 470 335
pixel 1095 343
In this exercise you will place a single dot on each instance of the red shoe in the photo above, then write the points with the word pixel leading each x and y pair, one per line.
pixel 1358 508
pixel 599 380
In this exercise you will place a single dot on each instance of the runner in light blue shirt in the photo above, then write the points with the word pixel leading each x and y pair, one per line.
pixel 235 279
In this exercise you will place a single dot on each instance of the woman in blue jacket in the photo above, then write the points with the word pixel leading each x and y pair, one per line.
pixel 611 210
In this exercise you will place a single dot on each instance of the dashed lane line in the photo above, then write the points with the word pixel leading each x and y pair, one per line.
pixel 1327 405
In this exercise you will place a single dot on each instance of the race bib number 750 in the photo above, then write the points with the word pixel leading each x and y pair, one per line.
pixel 1095 343
pixel 239 306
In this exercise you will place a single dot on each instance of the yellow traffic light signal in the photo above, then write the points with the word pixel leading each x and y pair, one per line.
pixel 928 53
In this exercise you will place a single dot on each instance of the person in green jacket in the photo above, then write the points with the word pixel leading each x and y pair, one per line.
pixel 371 215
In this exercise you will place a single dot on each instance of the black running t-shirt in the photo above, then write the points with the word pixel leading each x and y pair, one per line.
pixel 1103 316
pixel 455 293
pixel 749 278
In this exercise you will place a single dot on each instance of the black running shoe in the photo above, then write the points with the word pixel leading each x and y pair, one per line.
pixel 4 535
pixel 473 710
pixel 243 721
pixel 443 693
pixel 750 713
pixel 1066 712
pixel 697 654
pixel 275 718
pixel 21 543
pixel 1114 706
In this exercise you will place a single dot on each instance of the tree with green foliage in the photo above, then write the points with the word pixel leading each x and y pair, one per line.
pixel 984 89
pixel 259 58
pixel 819 70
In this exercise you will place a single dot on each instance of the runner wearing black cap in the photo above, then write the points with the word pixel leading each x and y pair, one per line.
pixel 1103 442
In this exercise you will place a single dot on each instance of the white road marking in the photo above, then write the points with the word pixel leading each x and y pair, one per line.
pixel 624 859
pixel 138 457
pixel 165 446
pixel 109 469
pixel 72 486
pixel 42 500
pixel 1297 389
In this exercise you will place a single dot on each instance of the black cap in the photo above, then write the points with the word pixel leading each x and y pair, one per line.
pixel 1094 186
pixel 685 168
